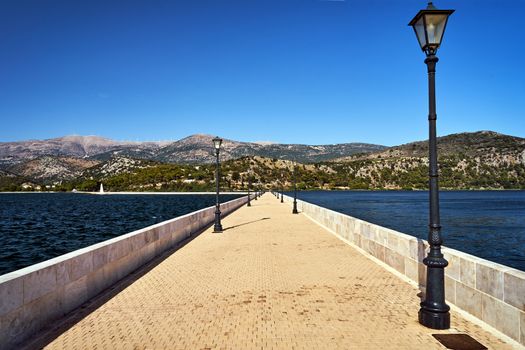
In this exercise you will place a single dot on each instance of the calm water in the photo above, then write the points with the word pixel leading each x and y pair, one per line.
pixel 38 226
pixel 488 224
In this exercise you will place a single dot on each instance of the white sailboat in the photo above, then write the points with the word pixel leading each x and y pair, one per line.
pixel 101 190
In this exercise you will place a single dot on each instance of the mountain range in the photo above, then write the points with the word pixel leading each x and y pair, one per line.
pixel 190 150
pixel 476 160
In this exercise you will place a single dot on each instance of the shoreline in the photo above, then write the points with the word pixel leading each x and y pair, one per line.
pixel 286 191
pixel 126 193
pixel 156 193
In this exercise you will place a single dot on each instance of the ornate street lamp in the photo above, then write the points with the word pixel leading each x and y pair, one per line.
pixel 294 210
pixel 282 187
pixel 256 194
pixel 429 26
pixel 217 141
pixel 250 185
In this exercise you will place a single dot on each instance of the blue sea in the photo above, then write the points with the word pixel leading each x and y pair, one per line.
pixel 38 226
pixel 35 227
pixel 488 224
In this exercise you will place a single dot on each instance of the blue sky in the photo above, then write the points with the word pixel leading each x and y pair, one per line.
pixel 293 71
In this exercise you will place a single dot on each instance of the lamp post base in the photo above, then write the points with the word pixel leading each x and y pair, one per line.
pixel 217 227
pixel 434 312
pixel 434 320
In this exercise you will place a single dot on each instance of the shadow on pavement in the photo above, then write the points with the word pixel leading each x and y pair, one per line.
pixel 246 223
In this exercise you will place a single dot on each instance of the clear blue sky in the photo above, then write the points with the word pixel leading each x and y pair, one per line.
pixel 294 71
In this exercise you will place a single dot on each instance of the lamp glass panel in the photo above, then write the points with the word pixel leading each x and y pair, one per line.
pixel 419 27
pixel 435 27
pixel 217 143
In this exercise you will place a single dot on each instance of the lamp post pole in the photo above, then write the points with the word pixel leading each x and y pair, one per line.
pixel 434 312
pixel 429 26
pixel 249 185
pixel 282 188
pixel 217 228
pixel 294 210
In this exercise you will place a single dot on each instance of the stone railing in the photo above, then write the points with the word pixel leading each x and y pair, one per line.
pixel 491 292
pixel 32 297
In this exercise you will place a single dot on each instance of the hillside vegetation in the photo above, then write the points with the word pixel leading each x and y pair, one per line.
pixel 466 161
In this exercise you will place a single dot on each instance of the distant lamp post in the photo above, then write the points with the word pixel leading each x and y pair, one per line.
pixel 429 26
pixel 249 186
pixel 217 141
pixel 294 210
pixel 256 194
pixel 282 187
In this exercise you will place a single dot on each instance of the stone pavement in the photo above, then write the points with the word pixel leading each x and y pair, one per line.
pixel 271 280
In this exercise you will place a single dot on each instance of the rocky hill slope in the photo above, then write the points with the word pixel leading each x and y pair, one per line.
pixel 199 149
pixel 69 146
pixel 49 169
pixel 194 149
pixel 117 165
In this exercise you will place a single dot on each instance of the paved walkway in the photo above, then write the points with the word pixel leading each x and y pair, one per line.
pixel 272 280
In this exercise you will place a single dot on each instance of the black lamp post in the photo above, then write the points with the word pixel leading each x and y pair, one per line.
pixel 256 195
pixel 217 141
pixel 282 187
pixel 249 186
pixel 429 26
pixel 294 210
